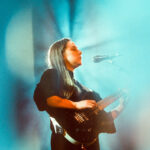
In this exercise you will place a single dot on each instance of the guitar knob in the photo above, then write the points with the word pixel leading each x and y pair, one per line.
pixel 89 130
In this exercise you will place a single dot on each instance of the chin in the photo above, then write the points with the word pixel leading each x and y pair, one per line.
pixel 78 65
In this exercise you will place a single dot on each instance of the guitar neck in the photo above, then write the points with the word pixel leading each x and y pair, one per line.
pixel 107 101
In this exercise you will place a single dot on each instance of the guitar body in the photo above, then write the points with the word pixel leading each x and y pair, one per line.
pixel 84 125
pixel 80 125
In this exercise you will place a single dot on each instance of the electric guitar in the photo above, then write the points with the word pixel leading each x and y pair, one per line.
pixel 85 125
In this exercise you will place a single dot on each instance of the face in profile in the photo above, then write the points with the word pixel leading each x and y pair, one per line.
pixel 72 56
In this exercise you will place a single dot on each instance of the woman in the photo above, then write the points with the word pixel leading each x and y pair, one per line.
pixel 58 91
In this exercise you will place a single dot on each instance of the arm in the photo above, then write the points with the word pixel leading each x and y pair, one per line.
pixel 56 101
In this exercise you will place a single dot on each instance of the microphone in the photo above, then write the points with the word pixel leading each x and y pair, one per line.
pixel 99 58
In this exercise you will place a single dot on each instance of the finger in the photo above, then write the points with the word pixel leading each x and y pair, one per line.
pixel 93 101
pixel 89 106
pixel 92 105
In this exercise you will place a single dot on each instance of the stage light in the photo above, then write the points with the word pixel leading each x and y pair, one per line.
pixel 19 45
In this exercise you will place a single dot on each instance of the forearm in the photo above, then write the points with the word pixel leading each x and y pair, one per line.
pixel 56 101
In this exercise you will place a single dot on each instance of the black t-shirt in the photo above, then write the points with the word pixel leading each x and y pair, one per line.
pixel 49 85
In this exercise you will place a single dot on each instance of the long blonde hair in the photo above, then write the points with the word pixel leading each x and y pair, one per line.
pixel 56 60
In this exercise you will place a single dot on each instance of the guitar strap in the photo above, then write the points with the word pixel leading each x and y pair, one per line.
pixel 58 129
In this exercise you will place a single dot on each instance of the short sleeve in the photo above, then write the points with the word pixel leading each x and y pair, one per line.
pixel 97 97
pixel 107 122
pixel 47 87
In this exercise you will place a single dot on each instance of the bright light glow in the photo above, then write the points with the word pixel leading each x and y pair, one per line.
pixel 19 45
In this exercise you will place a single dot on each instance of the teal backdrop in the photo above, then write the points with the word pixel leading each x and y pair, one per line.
pixel 98 27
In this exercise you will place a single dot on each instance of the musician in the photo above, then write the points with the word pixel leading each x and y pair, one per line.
pixel 58 91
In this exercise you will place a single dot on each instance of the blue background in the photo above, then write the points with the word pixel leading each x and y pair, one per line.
pixel 106 27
